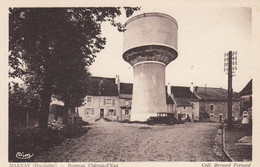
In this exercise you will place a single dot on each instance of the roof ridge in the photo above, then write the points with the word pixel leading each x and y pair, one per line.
pixel 181 86
pixel 125 83
pixel 101 77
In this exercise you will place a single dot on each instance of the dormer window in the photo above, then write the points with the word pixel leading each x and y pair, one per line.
pixel 89 99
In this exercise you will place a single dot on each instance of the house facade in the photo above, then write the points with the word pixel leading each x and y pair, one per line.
pixel 185 103
pixel 100 107
pixel 246 99
pixel 102 101
pixel 125 100
pixel 213 104
pixel 110 99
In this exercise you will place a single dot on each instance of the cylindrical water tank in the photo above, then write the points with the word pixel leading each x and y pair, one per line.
pixel 151 29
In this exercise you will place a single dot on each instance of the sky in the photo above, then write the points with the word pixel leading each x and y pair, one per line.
pixel 204 36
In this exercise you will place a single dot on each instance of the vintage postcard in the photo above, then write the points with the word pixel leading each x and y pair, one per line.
pixel 118 83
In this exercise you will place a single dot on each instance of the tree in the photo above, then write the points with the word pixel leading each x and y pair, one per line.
pixel 48 45
pixel 72 89
pixel 22 101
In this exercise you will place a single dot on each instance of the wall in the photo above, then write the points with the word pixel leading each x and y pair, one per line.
pixel 195 110
pixel 125 104
pixel 170 108
pixel 246 104
pixel 187 110
pixel 219 108
pixel 91 110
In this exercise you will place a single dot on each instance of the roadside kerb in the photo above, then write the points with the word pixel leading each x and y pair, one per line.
pixel 224 145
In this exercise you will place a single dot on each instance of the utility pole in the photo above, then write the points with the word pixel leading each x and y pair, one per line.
pixel 230 66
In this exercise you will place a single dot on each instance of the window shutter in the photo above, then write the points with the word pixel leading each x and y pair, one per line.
pixel 113 101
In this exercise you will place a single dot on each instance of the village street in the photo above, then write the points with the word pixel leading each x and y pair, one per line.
pixel 120 142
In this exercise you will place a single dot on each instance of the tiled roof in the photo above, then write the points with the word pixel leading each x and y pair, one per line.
pixel 213 93
pixel 126 88
pixel 169 99
pixel 182 92
pixel 182 102
pixel 125 96
pixel 247 90
pixel 100 86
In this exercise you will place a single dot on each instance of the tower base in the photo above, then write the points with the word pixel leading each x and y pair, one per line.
pixel 149 91
pixel 141 116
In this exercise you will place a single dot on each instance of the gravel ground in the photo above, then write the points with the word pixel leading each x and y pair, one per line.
pixel 120 142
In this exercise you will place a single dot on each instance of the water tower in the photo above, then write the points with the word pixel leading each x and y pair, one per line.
pixel 150 44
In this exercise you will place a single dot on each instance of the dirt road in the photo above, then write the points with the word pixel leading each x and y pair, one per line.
pixel 118 142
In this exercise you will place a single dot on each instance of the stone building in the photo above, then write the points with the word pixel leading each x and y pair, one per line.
pixel 102 100
pixel 108 98
pixel 125 100
pixel 185 103
pixel 213 104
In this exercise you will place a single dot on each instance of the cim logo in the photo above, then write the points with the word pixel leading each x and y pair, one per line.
pixel 22 155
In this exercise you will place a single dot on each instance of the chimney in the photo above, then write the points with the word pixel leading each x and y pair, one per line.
pixel 99 86
pixel 195 89
pixel 169 89
pixel 191 87
pixel 117 82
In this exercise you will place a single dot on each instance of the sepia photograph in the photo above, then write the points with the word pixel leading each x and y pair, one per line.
pixel 134 83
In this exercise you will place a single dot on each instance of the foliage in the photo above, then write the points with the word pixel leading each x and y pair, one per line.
pixel 50 48
pixel 21 101
pixel 46 36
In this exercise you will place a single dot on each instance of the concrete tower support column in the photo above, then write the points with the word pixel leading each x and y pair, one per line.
pixel 150 44
pixel 147 100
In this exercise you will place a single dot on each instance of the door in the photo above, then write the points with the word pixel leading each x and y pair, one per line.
pixel 102 113
pixel 179 116
pixel 220 118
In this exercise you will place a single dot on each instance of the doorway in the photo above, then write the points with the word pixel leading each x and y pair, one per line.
pixel 220 118
pixel 101 113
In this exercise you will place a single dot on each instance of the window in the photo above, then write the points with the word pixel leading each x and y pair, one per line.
pixel 112 112
pixel 211 107
pixel 184 107
pixel 89 99
pixel 126 112
pixel 109 101
pixel 89 111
